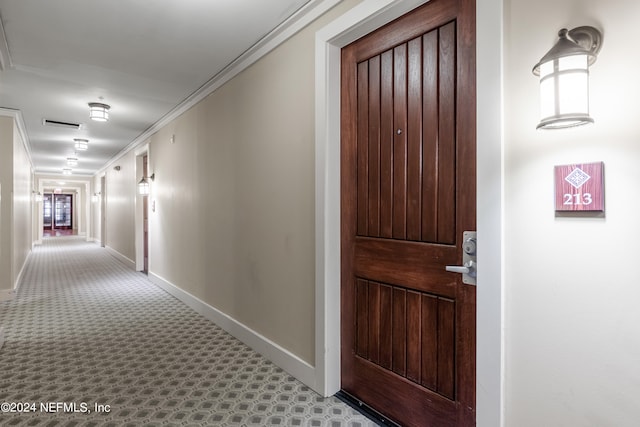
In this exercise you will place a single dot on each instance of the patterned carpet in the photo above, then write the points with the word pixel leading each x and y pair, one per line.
pixel 89 342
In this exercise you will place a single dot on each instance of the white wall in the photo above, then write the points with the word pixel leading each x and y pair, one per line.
pixel 572 347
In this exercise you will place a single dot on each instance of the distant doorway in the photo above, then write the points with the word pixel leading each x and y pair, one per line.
pixel 57 212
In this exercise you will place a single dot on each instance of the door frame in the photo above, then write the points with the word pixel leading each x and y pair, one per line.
pixel 355 23
pixel 139 207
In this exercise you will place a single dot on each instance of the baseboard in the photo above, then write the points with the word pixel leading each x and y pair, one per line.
pixel 120 257
pixel 280 356
pixel 6 294
pixel 18 281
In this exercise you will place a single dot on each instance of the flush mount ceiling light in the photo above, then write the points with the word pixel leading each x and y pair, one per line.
pixel 99 111
pixel 564 78
pixel 81 144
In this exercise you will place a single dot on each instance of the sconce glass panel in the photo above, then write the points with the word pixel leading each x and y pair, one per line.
pixel 143 187
pixel 564 92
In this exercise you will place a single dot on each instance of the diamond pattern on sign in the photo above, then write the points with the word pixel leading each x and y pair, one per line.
pixel 577 177
pixel 86 328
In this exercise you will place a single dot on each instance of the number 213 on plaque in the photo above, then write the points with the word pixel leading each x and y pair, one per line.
pixel 580 187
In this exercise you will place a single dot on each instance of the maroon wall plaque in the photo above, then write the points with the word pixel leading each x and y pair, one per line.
pixel 580 187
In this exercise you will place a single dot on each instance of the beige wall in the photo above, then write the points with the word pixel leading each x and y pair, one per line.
pixel 571 326
pixel 120 206
pixel 6 191
pixel 16 204
pixel 22 205
pixel 234 220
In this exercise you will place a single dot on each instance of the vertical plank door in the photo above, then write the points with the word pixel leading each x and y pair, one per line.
pixel 408 193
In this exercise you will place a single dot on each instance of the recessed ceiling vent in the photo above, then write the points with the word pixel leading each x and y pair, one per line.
pixel 57 123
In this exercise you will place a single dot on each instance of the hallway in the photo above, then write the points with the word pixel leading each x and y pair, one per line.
pixel 87 331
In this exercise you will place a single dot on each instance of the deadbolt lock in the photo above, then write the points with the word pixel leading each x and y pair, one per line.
pixel 468 269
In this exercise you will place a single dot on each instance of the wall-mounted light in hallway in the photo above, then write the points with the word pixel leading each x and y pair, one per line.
pixel 143 185
pixel 564 78
pixel 81 144
pixel 95 197
pixel 99 111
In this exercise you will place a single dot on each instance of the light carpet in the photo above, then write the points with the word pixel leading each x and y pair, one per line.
pixel 89 342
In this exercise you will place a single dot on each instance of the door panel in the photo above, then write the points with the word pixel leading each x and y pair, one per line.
pixel 408 193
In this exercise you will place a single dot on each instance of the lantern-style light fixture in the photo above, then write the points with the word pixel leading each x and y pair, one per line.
pixel 143 185
pixel 81 144
pixel 66 171
pixel 72 161
pixel 99 111
pixel 564 78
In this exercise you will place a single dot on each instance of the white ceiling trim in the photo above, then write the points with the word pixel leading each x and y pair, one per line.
pixel 296 22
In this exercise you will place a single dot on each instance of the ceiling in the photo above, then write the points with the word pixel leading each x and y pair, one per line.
pixel 141 59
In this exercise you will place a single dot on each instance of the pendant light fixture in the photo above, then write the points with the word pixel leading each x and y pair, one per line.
pixel 99 111
pixel 564 78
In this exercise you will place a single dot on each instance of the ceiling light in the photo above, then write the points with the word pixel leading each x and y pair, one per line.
pixel 99 111
pixel 81 144
pixel 72 161
pixel 564 78
pixel 66 171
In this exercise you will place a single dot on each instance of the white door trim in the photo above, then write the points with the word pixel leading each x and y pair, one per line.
pixel 140 152
pixel 355 23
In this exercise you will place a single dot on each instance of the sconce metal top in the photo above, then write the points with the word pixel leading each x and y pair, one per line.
pixel 583 40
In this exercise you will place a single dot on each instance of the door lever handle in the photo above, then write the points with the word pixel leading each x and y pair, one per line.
pixel 468 268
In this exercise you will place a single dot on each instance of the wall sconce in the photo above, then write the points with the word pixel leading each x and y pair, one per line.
pixel 95 197
pixel 37 196
pixel 564 78
pixel 143 185
pixel 81 144
pixel 99 111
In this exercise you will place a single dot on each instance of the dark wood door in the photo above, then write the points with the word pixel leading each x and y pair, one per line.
pixel 408 193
